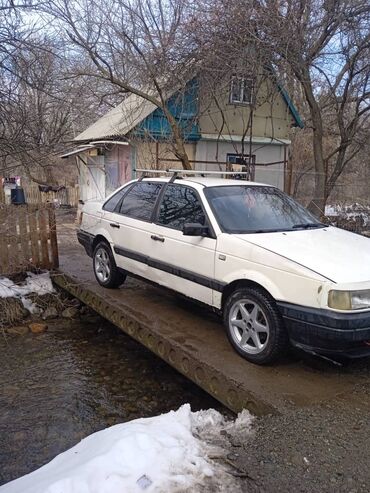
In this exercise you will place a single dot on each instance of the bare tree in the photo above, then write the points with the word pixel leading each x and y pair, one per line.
pixel 325 46
pixel 153 48
pixel 41 107
pixel 138 46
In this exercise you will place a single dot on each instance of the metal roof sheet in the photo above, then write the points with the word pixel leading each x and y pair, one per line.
pixel 119 120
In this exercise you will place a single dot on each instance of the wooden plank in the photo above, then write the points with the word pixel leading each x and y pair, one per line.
pixel 76 196
pixel 53 238
pixel 43 226
pixel 68 196
pixel 24 236
pixel 11 228
pixel 4 260
pixel 33 195
pixel 34 236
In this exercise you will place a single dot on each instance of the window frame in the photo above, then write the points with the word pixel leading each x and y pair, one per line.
pixel 125 190
pixel 242 80
pixel 252 169
pixel 195 191
pixel 150 220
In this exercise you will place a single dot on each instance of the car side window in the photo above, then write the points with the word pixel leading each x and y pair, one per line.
pixel 112 203
pixel 140 200
pixel 180 205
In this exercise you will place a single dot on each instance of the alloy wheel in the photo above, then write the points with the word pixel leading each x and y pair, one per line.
pixel 249 326
pixel 102 265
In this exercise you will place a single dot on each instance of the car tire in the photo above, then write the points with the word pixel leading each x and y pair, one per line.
pixel 254 326
pixel 105 269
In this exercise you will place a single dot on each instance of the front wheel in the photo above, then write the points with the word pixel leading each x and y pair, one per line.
pixel 105 268
pixel 254 326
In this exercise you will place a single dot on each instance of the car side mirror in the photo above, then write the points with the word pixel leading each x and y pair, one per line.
pixel 195 229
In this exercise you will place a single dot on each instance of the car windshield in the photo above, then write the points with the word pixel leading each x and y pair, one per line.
pixel 257 209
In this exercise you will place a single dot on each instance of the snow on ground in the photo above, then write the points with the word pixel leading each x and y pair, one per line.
pixel 167 453
pixel 34 283
pixel 349 212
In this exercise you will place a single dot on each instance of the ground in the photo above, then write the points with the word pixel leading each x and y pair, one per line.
pixel 322 448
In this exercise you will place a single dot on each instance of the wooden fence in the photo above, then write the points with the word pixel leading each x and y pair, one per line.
pixel 28 238
pixel 68 196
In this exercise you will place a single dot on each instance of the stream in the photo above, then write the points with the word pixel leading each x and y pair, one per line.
pixel 73 380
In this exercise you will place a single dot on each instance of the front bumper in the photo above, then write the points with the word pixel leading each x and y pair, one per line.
pixel 87 241
pixel 327 332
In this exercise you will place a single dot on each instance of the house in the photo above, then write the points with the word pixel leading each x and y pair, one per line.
pixel 236 127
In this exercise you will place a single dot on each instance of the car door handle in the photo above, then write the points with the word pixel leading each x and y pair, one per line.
pixel 114 225
pixel 157 238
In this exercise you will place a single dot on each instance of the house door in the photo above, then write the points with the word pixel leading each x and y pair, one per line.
pixel 95 182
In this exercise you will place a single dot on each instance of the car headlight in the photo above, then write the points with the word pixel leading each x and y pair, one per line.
pixel 349 300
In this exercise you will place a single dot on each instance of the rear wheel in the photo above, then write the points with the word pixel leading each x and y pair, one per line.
pixel 105 268
pixel 254 326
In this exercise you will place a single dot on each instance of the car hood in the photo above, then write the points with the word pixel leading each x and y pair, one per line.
pixel 336 254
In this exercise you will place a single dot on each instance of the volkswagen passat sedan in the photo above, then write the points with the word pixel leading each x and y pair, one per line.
pixel 248 250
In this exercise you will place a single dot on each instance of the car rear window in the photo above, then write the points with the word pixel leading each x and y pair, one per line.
pixel 112 203
pixel 140 200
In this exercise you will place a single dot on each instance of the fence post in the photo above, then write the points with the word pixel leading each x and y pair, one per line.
pixel 4 259
pixel 34 235
pixel 53 238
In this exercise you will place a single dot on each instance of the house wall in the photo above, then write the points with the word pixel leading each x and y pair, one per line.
pixel 118 168
pixel 264 153
pixel 99 176
pixel 271 116
pixel 146 155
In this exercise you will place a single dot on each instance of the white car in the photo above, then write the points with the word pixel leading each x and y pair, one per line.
pixel 246 249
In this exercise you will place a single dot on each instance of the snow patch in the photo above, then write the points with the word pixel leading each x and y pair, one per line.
pixel 35 283
pixel 166 453
pixel 349 212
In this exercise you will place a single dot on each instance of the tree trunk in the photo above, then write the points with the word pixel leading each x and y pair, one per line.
pixel 178 145
pixel 318 201
pixel 181 154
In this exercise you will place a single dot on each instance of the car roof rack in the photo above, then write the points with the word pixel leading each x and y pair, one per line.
pixel 176 172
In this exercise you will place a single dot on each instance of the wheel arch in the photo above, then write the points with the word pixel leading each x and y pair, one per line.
pixel 242 283
pixel 99 238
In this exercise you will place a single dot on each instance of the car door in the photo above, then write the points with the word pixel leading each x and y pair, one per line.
pixel 183 263
pixel 131 227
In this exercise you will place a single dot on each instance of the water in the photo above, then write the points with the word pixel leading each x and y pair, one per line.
pixel 73 380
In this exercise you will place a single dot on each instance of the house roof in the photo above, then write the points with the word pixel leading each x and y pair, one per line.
pixel 119 120
pixel 134 109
